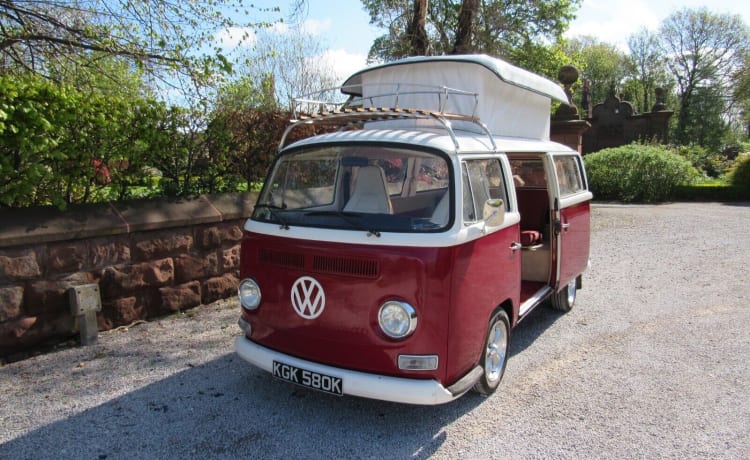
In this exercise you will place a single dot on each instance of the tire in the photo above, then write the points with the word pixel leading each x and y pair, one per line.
pixel 494 354
pixel 565 299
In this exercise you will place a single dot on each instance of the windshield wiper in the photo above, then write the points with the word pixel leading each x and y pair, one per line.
pixel 272 209
pixel 348 217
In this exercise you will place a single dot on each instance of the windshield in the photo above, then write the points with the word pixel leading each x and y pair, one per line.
pixel 364 187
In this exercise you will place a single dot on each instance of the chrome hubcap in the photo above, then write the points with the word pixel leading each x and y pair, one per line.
pixel 571 292
pixel 495 353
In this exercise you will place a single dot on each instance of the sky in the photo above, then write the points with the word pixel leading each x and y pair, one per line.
pixel 344 30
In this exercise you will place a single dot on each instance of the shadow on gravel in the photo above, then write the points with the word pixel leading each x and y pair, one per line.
pixel 533 326
pixel 742 204
pixel 227 409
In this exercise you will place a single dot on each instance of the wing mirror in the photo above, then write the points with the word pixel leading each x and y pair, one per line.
pixel 494 212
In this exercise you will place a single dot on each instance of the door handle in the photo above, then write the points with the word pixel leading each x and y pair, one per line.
pixel 565 226
pixel 515 246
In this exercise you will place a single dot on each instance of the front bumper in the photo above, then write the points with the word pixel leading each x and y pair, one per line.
pixel 355 383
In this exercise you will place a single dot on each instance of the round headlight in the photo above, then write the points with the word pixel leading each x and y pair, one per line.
pixel 249 294
pixel 397 319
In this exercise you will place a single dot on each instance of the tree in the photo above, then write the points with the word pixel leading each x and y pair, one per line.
pixel 466 27
pixel 647 68
pixel 417 31
pixel 602 64
pixel 706 122
pixel 704 50
pixel 494 27
pixel 156 36
pixel 741 94
pixel 294 61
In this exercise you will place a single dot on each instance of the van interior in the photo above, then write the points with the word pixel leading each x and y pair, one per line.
pixel 533 198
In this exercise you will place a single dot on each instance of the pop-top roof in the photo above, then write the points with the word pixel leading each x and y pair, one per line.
pixel 510 101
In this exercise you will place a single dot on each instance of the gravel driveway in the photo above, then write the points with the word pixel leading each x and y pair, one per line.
pixel 652 363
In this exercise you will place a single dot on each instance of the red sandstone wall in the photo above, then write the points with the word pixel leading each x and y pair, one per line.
pixel 149 259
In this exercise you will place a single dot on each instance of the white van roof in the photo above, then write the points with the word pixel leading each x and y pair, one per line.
pixel 510 101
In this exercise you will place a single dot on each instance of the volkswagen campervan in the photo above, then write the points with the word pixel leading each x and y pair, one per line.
pixel 391 256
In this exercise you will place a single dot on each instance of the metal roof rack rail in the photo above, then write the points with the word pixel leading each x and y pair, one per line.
pixel 357 109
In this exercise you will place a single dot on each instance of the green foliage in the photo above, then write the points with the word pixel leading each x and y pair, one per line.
pixel 711 164
pixel 30 126
pixel 711 192
pixel 245 128
pixel 646 71
pixel 60 146
pixel 739 174
pixel 500 28
pixel 701 119
pixel 602 64
pixel 541 58
pixel 165 38
pixel 637 173
pixel 704 51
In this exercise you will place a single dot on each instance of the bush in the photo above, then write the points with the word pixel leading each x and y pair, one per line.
pixel 739 174
pixel 637 173
pixel 711 164
pixel 711 192
pixel 59 145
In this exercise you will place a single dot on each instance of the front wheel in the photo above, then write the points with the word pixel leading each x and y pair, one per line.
pixel 494 355
pixel 565 299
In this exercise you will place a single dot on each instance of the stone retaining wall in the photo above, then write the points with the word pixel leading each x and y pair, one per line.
pixel 148 258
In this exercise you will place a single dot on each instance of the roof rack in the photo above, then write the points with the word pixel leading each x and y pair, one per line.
pixel 358 110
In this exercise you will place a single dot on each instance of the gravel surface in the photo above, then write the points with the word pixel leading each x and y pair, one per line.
pixel 651 363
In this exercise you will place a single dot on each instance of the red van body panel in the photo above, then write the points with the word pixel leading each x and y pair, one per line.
pixel 469 277
pixel 486 272
pixel 575 235
pixel 346 334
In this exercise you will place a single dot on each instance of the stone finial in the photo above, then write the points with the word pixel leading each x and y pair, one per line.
pixel 660 104
pixel 567 75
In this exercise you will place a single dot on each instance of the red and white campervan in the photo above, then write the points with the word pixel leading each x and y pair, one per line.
pixel 392 258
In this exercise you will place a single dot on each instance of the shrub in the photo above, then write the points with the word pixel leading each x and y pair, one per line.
pixel 639 173
pixel 739 174
pixel 59 145
pixel 712 164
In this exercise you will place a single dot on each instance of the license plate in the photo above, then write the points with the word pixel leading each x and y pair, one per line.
pixel 309 379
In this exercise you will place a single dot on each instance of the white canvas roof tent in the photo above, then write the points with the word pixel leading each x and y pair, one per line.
pixel 510 101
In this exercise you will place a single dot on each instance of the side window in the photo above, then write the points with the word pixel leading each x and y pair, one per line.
pixel 528 173
pixel 482 180
pixel 568 175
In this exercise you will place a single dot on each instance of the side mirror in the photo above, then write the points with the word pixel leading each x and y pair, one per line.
pixel 494 212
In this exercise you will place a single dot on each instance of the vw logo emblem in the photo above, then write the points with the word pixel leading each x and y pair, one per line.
pixel 308 298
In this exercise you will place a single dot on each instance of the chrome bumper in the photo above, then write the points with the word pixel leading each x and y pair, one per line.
pixel 362 384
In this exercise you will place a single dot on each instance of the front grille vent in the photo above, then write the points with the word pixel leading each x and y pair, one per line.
pixel 283 259
pixel 363 268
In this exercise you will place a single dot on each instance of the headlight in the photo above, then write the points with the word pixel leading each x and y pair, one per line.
pixel 249 294
pixel 397 319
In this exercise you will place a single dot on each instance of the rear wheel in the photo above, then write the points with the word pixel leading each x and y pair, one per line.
pixel 566 298
pixel 494 355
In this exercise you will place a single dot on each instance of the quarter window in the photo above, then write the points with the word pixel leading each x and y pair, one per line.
pixel 482 180
pixel 569 175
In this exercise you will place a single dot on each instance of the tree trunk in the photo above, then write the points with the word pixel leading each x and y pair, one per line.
pixel 465 32
pixel 417 32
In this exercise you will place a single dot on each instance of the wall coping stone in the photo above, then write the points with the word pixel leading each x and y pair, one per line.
pixel 30 226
